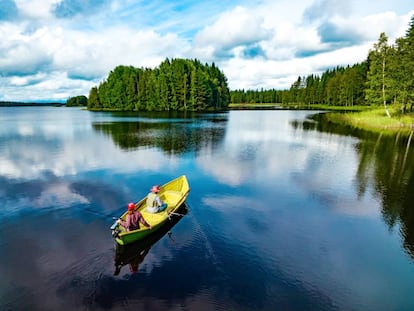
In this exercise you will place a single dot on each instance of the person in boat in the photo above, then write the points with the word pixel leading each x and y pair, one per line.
pixel 154 202
pixel 133 218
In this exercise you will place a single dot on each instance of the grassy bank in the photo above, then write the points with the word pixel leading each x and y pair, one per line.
pixel 375 120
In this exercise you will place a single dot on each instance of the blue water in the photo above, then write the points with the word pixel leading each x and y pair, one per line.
pixel 280 216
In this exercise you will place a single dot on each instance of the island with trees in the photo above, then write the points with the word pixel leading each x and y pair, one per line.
pixel 177 84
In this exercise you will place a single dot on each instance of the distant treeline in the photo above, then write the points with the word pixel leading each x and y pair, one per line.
pixel 25 104
pixel 177 84
pixel 339 86
pixel 386 77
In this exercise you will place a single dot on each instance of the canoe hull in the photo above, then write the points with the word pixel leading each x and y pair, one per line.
pixel 174 193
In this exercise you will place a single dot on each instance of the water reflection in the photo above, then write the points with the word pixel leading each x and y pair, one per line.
pixel 177 137
pixel 285 215
pixel 386 165
pixel 134 254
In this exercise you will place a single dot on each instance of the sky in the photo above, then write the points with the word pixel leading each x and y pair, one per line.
pixel 51 50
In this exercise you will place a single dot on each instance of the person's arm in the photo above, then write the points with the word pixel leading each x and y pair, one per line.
pixel 142 220
pixel 127 223
pixel 158 200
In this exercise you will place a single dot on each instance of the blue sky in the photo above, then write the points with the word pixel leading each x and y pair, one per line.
pixel 54 49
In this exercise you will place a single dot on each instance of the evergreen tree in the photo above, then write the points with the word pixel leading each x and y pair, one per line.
pixel 403 69
pixel 77 101
pixel 93 100
pixel 409 63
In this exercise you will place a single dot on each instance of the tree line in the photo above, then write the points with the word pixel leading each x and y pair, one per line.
pixel 385 77
pixel 177 84
pixel 337 86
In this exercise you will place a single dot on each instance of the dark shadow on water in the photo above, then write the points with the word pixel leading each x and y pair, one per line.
pixel 173 136
pixel 168 115
pixel 134 254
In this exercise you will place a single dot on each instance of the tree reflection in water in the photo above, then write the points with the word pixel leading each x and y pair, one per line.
pixel 172 137
pixel 386 163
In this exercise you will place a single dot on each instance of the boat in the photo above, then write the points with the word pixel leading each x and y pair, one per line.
pixel 134 253
pixel 174 193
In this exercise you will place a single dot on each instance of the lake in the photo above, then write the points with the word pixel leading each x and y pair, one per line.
pixel 285 212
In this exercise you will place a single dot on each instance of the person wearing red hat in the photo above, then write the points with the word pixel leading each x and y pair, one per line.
pixel 133 218
pixel 154 202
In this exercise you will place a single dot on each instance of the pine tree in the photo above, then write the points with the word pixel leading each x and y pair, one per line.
pixel 404 68
pixel 93 99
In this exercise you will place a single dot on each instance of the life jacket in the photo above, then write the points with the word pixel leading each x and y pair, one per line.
pixel 152 205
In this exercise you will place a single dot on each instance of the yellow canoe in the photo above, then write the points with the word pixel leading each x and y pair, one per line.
pixel 174 193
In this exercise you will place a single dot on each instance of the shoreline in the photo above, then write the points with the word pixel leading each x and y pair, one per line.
pixel 375 120
pixel 359 117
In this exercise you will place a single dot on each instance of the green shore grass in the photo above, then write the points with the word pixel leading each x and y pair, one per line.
pixel 375 120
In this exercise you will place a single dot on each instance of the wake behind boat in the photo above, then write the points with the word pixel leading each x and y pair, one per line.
pixel 174 193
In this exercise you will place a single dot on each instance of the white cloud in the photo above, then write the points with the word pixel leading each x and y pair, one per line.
pixel 56 61
pixel 59 195
pixel 16 162
pixel 36 9
pixel 266 44
pixel 234 28
pixel 389 22
pixel 323 9
pixel 91 53
pixel 25 53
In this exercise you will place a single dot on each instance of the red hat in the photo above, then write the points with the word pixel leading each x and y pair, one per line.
pixel 155 188
pixel 131 206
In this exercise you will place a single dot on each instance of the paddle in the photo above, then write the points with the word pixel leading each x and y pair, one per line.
pixel 176 214
pixel 115 224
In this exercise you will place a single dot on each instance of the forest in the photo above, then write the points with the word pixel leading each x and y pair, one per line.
pixel 386 77
pixel 177 84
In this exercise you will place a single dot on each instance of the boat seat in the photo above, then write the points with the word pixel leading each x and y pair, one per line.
pixel 152 218
pixel 171 197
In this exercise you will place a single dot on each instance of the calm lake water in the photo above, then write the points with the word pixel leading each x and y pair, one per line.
pixel 284 213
